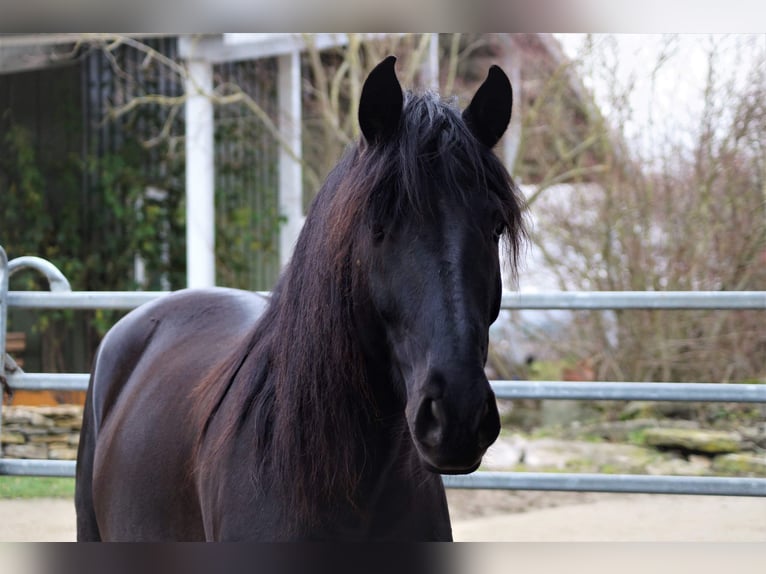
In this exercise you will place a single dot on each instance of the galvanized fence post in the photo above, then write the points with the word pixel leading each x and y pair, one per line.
pixel 3 326
pixel 56 282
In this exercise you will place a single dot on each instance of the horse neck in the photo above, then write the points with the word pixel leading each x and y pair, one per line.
pixel 324 414
pixel 329 327
pixel 341 346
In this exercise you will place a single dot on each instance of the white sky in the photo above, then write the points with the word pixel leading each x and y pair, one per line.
pixel 665 99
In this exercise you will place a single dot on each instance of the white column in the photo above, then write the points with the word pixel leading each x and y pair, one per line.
pixel 200 176
pixel 290 171
pixel 431 67
pixel 512 139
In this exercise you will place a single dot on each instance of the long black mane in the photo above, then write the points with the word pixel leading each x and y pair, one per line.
pixel 299 375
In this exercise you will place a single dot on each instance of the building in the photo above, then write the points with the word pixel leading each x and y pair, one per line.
pixel 99 130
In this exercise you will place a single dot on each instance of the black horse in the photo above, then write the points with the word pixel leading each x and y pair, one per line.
pixel 329 411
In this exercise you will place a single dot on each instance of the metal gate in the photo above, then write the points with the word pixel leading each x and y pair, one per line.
pixel 60 296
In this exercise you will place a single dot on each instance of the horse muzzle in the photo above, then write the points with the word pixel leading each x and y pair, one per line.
pixel 452 434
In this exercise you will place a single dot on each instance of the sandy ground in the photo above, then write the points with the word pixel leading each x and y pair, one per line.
pixel 538 516
pixel 626 518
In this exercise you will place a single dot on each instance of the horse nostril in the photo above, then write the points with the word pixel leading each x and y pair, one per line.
pixel 436 411
pixel 430 422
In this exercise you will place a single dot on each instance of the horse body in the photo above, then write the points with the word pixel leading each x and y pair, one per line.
pixel 125 445
pixel 328 412
pixel 144 469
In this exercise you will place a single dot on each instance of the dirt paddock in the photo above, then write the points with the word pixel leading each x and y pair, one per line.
pixel 507 516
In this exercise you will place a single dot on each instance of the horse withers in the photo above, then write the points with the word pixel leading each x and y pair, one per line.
pixel 330 411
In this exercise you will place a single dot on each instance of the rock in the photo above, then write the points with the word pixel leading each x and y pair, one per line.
pixel 29 431
pixel 61 412
pixel 503 454
pixel 694 440
pixel 26 451
pixel 621 431
pixel 69 424
pixel 700 461
pixel 740 464
pixel 755 435
pixel 655 410
pixel 696 465
pixel 25 416
pixel 62 453
pixel 539 454
pixel 12 438
pixel 54 436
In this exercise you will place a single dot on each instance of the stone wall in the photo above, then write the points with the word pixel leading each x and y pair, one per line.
pixel 41 432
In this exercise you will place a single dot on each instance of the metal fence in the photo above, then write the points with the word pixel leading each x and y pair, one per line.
pixel 61 296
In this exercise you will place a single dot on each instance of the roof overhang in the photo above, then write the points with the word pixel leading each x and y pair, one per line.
pixel 28 52
pixel 218 48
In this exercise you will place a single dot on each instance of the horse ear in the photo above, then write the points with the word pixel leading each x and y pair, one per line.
pixel 489 112
pixel 380 105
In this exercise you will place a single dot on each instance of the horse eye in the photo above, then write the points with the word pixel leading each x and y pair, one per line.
pixel 499 230
pixel 378 233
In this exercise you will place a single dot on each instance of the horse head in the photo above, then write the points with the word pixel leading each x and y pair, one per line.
pixel 429 257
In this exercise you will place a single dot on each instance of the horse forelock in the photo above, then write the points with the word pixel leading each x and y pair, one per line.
pixel 433 155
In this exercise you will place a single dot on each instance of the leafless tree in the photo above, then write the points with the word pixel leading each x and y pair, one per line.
pixel 686 212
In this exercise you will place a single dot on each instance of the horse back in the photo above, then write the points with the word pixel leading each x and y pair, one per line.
pixel 134 474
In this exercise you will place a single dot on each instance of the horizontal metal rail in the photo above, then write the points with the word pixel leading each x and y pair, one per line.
pixel 82 299
pixel 37 467
pixel 618 483
pixel 48 381
pixel 604 300
pixel 564 300
pixel 634 483
pixel 600 391
pixel 554 390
